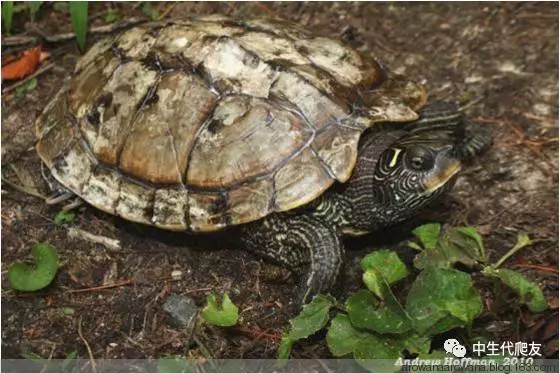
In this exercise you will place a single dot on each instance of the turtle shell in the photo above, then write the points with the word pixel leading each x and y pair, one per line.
pixel 198 125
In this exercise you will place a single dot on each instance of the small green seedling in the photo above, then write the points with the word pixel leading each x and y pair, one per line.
pixel 174 364
pixel 24 277
pixel 224 315
pixel 111 16
pixel 7 15
pixel 53 366
pixel 30 85
pixel 151 12
pixel 64 217
pixel 79 16
pixel 34 8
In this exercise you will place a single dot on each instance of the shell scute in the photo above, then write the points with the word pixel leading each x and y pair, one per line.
pixel 158 145
pixel 245 138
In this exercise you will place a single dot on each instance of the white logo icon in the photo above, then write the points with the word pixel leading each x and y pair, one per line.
pixel 454 347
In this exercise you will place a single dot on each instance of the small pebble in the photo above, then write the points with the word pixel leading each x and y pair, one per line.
pixel 176 274
pixel 181 312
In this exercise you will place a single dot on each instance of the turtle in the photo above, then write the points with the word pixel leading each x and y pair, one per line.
pixel 290 139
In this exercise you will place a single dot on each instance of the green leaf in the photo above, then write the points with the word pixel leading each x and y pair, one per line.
pixel 366 312
pixel 63 217
pixel 284 348
pixel 7 15
pixel 111 16
pixel 437 354
pixel 529 292
pixel 60 6
pixel 417 343
pixel 384 262
pixel 475 242
pixel 415 246
pixel 428 234
pixel 30 85
pixel 35 358
pixel 31 278
pixel 374 352
pixel 79 15
pixel 224 315
pixel 67 362
pixel 461 245
pixel 441 299
pixel 150 11
pixel 313 317
pixel 33 8
pixel 68 311
pixel 342 337
pixel 174 364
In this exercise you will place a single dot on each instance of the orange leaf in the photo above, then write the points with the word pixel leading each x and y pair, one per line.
pixel 23 66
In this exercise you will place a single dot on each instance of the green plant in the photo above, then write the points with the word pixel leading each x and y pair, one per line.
pixel 150 11
pixel 34 8
pixel 7 15
pixel 226 314
pixel 375 324
pixel 64 217
pixel 53 366
pixel 24 277
pixel 28 86
pixel 79 16
pixel 111 16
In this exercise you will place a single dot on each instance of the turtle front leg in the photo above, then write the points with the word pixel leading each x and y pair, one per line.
pixel 59 193
pixel 303 244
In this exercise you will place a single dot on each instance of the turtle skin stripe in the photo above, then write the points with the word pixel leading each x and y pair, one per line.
pixel 302 243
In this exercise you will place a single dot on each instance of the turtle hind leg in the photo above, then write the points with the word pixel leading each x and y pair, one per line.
pixel 59 193
pixel 303 244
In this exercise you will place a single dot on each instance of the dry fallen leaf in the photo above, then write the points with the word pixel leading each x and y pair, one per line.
pixel 26 64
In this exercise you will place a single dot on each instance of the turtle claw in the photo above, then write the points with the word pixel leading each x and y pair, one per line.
pixel 59 196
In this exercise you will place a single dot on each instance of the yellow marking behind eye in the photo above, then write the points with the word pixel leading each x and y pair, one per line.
pixel 395 157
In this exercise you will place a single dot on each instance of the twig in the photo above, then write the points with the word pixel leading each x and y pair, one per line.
pixel 23 189
pixel 202 289
pixel 112 244
pixel 256 334
pixel 547 269
pixel 93 364
pixel 205 351
pixel 166 12
pixel 127 282
pixel 104 29
pixel 103 287
pixel 17 40
pixel 34 75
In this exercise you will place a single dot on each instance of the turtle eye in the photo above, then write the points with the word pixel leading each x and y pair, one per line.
pixel 419 158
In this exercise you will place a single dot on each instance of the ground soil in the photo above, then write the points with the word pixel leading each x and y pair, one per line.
pixel 499 60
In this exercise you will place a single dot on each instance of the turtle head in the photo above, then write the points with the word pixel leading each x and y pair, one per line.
pixel 421 164
pixel 414 171
pixel 403 170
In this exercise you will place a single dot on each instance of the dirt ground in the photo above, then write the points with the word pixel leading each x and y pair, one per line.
pixel 500 60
